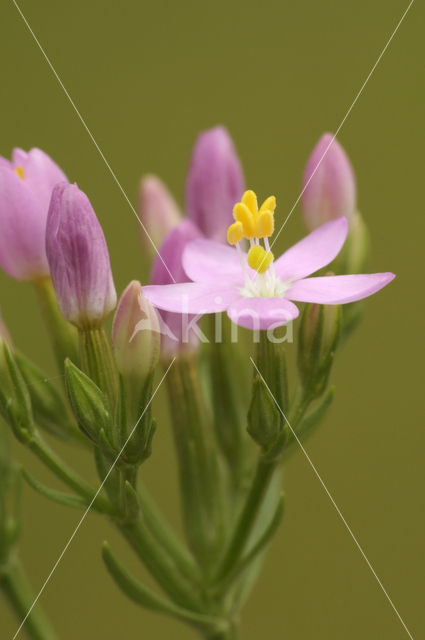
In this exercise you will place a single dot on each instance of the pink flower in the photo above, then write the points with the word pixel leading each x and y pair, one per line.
pixel 158 211
pixel 175 328
pixel 256 291
pixel 78 258
pixel 26 184
pixel 214 182
pixel 329 182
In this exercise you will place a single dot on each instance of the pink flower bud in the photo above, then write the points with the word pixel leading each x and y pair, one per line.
pixel 26 185
pixel 176 333
pixel 78 258
pixel 158 212
pixel 329 182
pixel 214 184
pixel 135 334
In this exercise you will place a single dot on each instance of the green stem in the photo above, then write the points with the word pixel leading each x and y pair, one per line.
pixel 97 361
pixel 63 335
pixel 163 533
pixel 16 589
pixel 160 565
pixel 248 516
pixel 66 474
pixel 227 634
pixel 199 478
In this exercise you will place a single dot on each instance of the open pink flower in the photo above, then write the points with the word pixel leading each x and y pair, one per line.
pixel 263 298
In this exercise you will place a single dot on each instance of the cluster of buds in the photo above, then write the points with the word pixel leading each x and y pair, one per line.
pixel 52 237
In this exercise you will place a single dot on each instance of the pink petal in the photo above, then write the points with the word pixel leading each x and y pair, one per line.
pixel 262 313
pixel 191 297
pixel 313 252
pixel 207 260
pixel 338 289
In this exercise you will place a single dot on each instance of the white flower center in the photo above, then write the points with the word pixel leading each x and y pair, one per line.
pixel 264 285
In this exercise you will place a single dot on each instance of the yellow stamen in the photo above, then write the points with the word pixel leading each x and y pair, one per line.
pixel 250 199
pixel 264 226
pixel 242 214
pixel 20 172
pixel 235 233
pixel 259 259
pixel 269 204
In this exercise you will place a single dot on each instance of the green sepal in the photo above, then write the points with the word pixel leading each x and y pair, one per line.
pixel 50 411
pixel 264 423
pixel 139 445
pixel 143 596
pixel 15 402
pixel 88 403
pixel 61 497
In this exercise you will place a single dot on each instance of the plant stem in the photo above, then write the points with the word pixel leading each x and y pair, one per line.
pixel 16 589
pixel 66 474
pixel 248 515
pixel 63 335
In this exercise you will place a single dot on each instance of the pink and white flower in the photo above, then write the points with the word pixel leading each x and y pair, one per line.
pixel 222 280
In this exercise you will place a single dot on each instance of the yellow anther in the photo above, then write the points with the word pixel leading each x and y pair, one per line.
pixel 242 214
pixel 264 226
pixel 269 204
pixel 20 172
pixel 259 259
pixel 250 199
pixel 235 233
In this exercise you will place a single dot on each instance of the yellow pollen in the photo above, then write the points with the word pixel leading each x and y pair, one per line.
pixel 235 233
pixel 242 214
pixel 256 223
pixel 259 259
pixel 20 172
pixel 250 199
pixel 264 226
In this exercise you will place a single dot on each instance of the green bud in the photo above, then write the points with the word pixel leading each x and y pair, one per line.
pixel 50 411
pixel 354 254
pixel 15 402
pixel 136 342
pixel 317 340
pixel 264 423
pixel 88 403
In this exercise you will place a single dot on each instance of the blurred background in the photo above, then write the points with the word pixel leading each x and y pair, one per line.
pixel 147 77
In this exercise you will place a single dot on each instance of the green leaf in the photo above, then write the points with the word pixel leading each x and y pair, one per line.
pixel 15 402
pixel 61 497
pixel 89 404
pixel 140 594
pixel 50 411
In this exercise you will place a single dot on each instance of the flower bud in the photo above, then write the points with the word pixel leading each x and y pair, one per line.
pixel 354 254
pixel 78 258
pixel 135 334
pixel 329 187
pixel 214 183
pixel 15 403
pixel 158 212
pixel 26 185
pixel 317 341
pixel 177 336
pixel 89 405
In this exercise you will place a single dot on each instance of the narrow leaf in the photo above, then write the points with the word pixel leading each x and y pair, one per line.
pixel 61 497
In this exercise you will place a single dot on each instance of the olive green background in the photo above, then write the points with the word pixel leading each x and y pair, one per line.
pixel 147 77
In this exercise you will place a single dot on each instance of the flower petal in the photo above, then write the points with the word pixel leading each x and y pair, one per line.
pixel 191 297
pixel 338 289
pixel 208 261
pixel 262 313
pixel 313 252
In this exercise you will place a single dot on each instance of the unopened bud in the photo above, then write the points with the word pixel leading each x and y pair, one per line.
pixel 329 186
pixel 15 403
pixel 317 340
pixel 159 212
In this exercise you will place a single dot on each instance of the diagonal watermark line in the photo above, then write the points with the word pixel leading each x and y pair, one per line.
pixel 343 120
pixel 83 517
pixel 91 136
pixel 331 498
